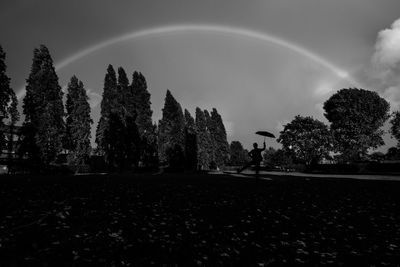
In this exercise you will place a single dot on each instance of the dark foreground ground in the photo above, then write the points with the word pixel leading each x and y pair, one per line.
pixel 203 220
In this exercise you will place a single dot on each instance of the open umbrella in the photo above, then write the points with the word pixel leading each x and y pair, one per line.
pixel 265 134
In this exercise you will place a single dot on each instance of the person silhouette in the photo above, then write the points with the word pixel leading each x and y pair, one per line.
pixel 256 158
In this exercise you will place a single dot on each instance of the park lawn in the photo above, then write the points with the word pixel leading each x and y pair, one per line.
pixel 197 219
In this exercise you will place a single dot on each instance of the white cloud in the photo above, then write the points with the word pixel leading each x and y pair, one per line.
pixel 280 125
pixel 386 64
pixel 392 95
pixel 387 47
pixel 94 98
pixel 323 89
pixel 229 128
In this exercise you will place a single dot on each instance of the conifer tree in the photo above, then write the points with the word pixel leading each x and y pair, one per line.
pixel 78 122
pixel 130 152
pixel 117 134
pixel 211 146
pixel 190 142
pixel 8 104
pixel 218 132
pixel 108 104
pixel 171 132
pixel 142 105
pixel 124 99
pixel 43 109
pixel 203 140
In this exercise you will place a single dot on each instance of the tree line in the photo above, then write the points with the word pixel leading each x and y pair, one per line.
pixel 356 118
pixel 126 136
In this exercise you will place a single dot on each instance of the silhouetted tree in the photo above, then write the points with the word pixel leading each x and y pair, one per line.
pixel 43 108
pixel 171 130
pixel 123 126
pixel 268 156
pixel 237 154
pixel 211 144
pixel 218 133
pixel 108 104
pixel 190 142
pixel 78 122
pixel 393 153
pixel 132 142
pixel 142 105
pixel 282 158
pixel 395 127
pixel 356 116
pixel 378 156
pixel 8 105
pixel 307 138
pixel 203 139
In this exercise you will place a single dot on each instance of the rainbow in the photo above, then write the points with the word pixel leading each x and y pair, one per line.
pixel 205 28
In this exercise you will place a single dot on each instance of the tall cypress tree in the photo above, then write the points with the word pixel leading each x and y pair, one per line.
pixel 108 103
pixel 78 122
pixel 211 147
pixel 190 142
pixel 142 105
pixel 128 152
pixel 203 139
pixel 218 132
pixel 171 132
pixel 8 105
pixel 43 108
pixel 124 98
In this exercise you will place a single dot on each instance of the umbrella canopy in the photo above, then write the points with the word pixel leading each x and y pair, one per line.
pixel 265 133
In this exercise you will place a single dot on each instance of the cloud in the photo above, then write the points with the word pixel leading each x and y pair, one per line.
pixel 94 98
pixel 280 125
pixel 392 95
pixel 229 128
pixel 387 47
pixel 385 70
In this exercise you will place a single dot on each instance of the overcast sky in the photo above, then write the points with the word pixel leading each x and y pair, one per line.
pixel 259 63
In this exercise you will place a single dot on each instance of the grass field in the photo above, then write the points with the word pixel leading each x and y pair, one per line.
pixel 194 219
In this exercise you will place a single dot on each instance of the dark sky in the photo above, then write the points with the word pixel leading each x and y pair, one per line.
pixel 259 63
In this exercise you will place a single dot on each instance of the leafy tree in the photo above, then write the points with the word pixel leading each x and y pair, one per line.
pixel 378 156
pixel 268 156
pixel 218 133
pixel 78 122
pixel 281 158
pixel 190 142
pixel 237 154
pixel 395 127
pixel 8 105
pixel 203 140
pixel 393 153
pixel 356 116
pixel 171 130
pixel 43 108
pixel 307 138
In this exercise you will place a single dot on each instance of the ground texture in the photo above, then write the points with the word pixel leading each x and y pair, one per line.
pixel 200 220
